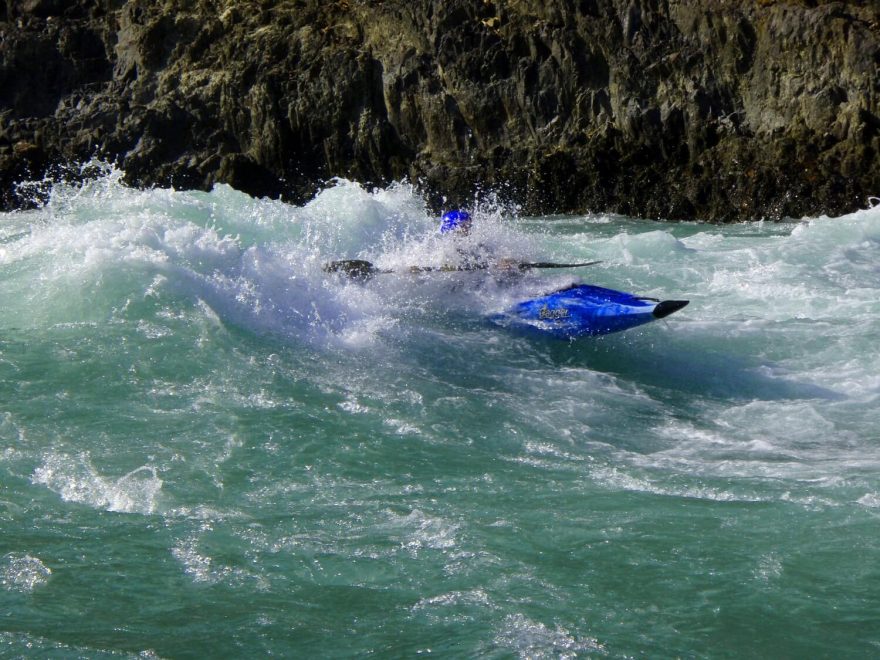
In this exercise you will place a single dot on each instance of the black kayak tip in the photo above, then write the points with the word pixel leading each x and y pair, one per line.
pixel 667 307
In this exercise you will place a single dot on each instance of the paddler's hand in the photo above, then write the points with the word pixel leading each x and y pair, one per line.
pixel 433 269
pixel 507 264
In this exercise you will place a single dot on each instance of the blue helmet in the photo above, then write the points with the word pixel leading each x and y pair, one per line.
pixel 454 220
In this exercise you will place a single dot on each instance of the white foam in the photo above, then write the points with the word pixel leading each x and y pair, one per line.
pixel 75 479
pixel 198 566
pixel 652 245
pixel 870 500
pixel 615 478
pixel 769 568
pixel 423 532
pixel 23 573
pixel 531 639
pixel 476 597
pixel 760 439
pixel 202 568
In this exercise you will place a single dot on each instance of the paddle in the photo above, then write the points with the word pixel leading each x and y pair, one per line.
pixel 358 269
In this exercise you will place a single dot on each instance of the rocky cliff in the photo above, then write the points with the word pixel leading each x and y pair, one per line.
pixel 711 109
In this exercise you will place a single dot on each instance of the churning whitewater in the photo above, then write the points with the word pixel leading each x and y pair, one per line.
pixel 209 446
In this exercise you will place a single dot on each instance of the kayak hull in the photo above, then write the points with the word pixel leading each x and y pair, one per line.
pixel 584 310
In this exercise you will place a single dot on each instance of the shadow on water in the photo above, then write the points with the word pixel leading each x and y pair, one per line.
pixel 703 367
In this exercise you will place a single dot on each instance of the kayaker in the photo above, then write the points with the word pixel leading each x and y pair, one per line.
pixel 459 253
pixel 456 224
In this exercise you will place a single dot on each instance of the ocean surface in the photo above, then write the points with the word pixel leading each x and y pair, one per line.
pixel 209 447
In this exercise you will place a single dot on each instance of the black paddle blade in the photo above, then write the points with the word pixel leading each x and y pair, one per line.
pixel 667 307
pixel 356 269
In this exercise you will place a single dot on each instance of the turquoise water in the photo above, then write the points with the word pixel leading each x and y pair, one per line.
pixel 211 448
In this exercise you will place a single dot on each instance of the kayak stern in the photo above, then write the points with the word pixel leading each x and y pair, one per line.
pixel 667 307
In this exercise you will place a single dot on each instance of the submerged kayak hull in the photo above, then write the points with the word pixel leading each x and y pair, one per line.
pixel 585 311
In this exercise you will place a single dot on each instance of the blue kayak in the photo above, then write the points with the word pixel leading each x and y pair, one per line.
pixel 584 310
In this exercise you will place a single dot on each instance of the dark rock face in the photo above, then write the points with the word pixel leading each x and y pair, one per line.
pixel 717 109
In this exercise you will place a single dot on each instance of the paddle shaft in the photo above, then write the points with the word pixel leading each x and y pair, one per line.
pixel 361 269
pixel 547 264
